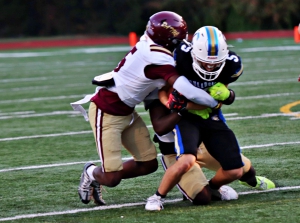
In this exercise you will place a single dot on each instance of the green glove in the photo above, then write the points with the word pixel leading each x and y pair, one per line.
pixel 219 92
pixel 202 113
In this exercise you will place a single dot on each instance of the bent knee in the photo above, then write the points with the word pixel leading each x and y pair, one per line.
pixel 152 165
pixel 235 173
pixel 203 197
pixel 185 162
pixel 148 167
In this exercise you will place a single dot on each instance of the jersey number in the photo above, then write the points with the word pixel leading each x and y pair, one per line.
pixel 122 62
pixel 186 48
pixel 233 57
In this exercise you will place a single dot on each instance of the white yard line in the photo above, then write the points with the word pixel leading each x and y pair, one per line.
pixel 62 97
pixel 141 113
pixel 117 206
pixel 30 114
pixel 65 52
pixel 266 96
pixel 127 158
pixel 124 49
pixel 292 114
pixel 45 135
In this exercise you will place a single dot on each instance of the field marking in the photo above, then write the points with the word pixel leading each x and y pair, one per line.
pixel 15 115
pixel 127 158
pixel 30 114
pixel 287 108
pixel 66 52
pixel 124 49
pixel 117 206
pixel 45 136
pixel 265 96
pixel 62 97
pixel 142 113
pixel 265 116
pixel 273 48
pixel 243 83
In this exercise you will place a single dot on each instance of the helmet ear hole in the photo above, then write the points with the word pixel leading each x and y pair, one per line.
pixel 175 41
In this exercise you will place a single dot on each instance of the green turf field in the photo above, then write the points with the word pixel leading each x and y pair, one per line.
pixel 44 143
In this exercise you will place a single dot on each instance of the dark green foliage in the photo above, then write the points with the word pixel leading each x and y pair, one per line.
pixel 119 17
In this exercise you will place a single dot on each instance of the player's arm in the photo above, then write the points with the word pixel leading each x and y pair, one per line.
pixel 163 121
pixel 192 93
pixel 180 83
pixel 164 95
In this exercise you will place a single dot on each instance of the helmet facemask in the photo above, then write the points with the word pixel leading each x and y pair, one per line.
pixel 209 48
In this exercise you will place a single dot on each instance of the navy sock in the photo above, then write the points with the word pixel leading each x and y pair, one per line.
pixel 158 194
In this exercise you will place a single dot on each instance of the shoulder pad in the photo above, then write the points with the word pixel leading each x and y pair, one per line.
pixel 161 49
pixel 104 80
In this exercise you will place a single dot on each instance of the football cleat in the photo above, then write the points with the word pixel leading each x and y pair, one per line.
pixel 97 193
pixel 262 183
pixel 85 190
pixel 225 193
pixel 154 203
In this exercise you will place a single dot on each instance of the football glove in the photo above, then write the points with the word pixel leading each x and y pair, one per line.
pixel 219 91
pixel 202 113
pixel 177 102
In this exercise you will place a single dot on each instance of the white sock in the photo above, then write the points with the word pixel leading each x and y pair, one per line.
pixel 90 172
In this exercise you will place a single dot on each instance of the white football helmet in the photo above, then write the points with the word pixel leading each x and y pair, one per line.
pixel 209 47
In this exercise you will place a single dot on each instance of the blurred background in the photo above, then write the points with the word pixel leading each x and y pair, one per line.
pixel 48 18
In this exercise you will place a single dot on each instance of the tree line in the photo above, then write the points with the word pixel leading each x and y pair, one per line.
pixel 42 18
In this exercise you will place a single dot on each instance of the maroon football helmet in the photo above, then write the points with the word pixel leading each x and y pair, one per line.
pixel 167 29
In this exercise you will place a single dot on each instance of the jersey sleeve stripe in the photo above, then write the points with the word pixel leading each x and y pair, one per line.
pixel 160 49
pixel 240 72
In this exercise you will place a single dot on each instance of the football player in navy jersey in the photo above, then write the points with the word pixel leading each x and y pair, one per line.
pixel 208 65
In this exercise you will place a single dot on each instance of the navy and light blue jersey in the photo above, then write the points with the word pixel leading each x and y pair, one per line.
pixel 232 70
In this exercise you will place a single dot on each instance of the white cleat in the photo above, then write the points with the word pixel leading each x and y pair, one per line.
pixel 85 191
pixel 228 193
pixel 225 193
pixel 154 203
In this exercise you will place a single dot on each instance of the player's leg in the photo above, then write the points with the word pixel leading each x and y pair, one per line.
pixel 193 184
pixel 221 143
pixel 205 160
pixel 186 144
pixel 250 178
pixel 107 130
pixel 136 139
pixel 186 141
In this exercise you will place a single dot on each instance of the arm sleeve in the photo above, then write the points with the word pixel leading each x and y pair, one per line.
pixel 194 94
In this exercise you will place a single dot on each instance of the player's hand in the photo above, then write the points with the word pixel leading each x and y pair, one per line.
pixel 219 91
pixel 177 102
pixel 202 113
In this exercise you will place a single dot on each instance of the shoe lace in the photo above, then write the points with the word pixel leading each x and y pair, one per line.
pixel 224 194
pixel 156 200
pixel 98 189
pixel 86 182
pixel 262 183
